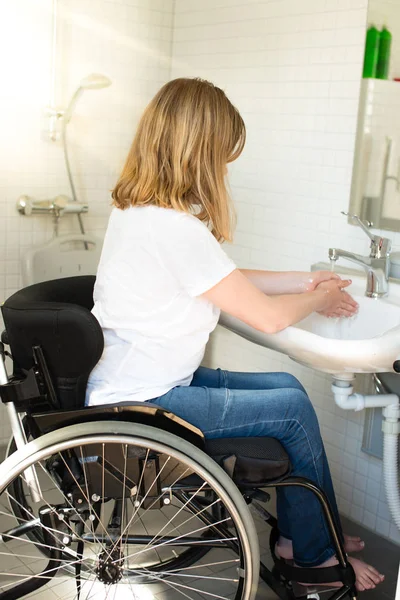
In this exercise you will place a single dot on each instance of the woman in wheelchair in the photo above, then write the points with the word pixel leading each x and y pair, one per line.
pixel 130 464
pixel 162 280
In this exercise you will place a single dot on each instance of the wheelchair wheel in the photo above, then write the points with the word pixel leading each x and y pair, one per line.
pixel 117 501
pixel 20 504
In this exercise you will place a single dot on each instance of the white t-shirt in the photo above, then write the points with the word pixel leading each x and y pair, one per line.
pixel 154 265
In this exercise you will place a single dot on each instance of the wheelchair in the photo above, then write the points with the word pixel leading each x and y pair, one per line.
pixel 117 500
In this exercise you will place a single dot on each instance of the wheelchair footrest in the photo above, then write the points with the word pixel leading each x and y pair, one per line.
pixel 319 576
pixel 306 591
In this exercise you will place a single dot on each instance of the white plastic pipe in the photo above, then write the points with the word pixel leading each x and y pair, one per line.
pixel 391 431
pixel 391 475
pixel 346 399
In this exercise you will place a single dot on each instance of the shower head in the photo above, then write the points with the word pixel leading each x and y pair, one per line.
pixel 95 81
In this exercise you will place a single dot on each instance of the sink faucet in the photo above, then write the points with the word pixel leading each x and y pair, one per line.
pixel 376 264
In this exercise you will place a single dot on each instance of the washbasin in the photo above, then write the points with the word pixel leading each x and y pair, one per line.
pixel 368 342
pixel 373 319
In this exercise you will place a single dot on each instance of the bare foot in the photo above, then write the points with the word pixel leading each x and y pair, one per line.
pixel 284 548
pixel 367 578
pixel 352 544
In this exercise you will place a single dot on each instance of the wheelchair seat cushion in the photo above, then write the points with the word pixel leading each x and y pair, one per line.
pixel 250 461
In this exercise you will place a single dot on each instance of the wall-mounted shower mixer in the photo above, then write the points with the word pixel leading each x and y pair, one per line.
pixel 56 207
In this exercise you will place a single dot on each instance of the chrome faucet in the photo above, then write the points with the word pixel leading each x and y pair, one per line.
pixel 376 265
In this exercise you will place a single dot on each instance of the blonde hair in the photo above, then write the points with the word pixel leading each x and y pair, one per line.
pixel 185 138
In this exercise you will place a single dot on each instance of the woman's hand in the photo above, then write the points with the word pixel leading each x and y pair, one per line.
pixel 326 280
pixel 338 302
pixel 312 280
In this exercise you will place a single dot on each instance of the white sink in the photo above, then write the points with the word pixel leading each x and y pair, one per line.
pixel 372 320
pixel 369 342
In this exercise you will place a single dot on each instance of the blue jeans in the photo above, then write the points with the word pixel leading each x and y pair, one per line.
pixel 225 404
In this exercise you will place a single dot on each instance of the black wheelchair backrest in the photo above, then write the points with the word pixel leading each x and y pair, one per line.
pixel 55 315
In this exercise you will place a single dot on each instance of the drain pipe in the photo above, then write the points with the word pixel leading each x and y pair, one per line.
pixel 391 431
pixel 346 399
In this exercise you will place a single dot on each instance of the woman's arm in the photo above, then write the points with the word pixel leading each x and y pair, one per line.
pixel 237 295
pixel 287 282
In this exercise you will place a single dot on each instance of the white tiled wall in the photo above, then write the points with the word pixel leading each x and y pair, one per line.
pixel 293 70
pixel 127 40
pixel 387 13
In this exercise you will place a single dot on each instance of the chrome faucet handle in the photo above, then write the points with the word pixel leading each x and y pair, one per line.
pixel 364 225
pixel 380 246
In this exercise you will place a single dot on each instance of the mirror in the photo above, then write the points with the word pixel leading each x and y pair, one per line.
pixel 375 192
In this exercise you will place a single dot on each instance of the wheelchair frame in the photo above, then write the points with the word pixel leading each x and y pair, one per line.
pixel 21 396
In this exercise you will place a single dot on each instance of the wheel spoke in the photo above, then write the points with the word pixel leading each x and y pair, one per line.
pixel 42 575
pixel 147 532
pixel 68 501
pixel 87 498
pixel 180 587
pixel 52 532
pixel 141 502
pixel 188 543
pixel 67 596
pixel 203 565
pixel 157 499
pixel 193 516
pixel 48 529
pixel 90 595
pixel 123 508
pixel 175 515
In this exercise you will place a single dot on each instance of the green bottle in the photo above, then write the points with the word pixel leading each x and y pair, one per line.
pixel 385 42
pixel 371 52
